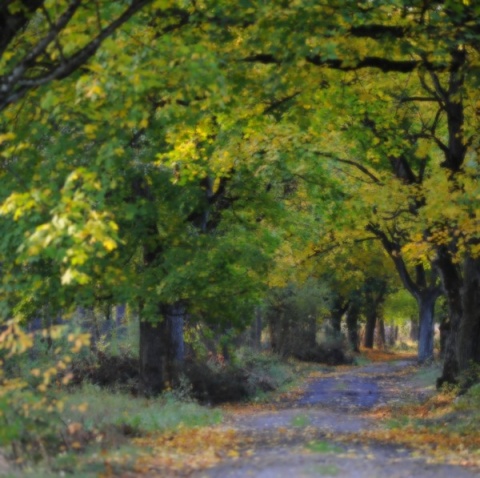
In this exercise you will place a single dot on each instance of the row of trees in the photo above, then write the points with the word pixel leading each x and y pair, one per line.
pixel 186 157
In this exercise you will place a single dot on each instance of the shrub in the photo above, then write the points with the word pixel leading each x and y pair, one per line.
pixel 30 379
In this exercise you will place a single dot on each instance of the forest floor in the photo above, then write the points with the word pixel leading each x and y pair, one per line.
pixel 383 418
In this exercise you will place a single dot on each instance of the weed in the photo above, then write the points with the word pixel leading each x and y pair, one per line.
pixel 300 421
pixel 323 447
pixel 361 359
pixel 326 470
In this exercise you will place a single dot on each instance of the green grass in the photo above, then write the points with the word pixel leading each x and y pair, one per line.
pixel 300 421
pixel 326 470
pixel 361 360
pixel 106 421
pixel 426 376
pixel 322 446
pixel 104 409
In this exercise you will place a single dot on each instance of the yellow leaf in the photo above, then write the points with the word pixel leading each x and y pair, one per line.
pixel 6 137
pixel 109 244
pixel 95 90
pixel 90 130
pixel 233 454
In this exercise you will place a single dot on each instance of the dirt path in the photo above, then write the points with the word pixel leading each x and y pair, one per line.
pixel 316 434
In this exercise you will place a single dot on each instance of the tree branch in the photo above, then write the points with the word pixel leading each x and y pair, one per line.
pixel 357 165
pixel 393 251
pixel 15 85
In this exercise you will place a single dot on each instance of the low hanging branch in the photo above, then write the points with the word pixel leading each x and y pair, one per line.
pixel 37 68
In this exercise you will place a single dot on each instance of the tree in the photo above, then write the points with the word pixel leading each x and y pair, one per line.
pixel 437 42
pixel 170 167
pixel 132 196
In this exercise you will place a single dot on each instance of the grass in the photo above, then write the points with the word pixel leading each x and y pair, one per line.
pixel 326 470
pixel 361 359
pixel 271 376
pixel 101 429
pixel 426 376
pixel 97 426
pixel 103 409
pixel 300 421
pixel 321 446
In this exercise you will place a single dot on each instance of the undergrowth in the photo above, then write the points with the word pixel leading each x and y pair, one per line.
pixel 97 422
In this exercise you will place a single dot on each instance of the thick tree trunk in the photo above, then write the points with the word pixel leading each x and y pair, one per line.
pixel 469 331
pixel 444 333
pixel 426 305
pixel 370 325
pixel 452 285
pixel 352 327
pixel 162 349
pixel 463 297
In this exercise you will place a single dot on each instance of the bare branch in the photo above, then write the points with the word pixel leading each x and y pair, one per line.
pixel 350 162
pixel 418 98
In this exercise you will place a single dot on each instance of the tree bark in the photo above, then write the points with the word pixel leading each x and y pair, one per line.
pixel 162 349
pixel 426 305
pixel 370 329
pixel 340 306
pixel 380 333
pixel 374 297
pixel 444 333
pixel 352 326
pixel 452 285
pixel 469 331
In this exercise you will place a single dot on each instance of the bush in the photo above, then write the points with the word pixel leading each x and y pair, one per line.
pixel 250 373
pixel 34 367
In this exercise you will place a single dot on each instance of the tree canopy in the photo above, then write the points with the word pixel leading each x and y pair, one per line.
pixel 198 153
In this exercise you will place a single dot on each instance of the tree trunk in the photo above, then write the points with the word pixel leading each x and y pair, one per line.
pixel 452 285
pixel 463 298
pixel 444 333
pixel 340 306
pixel 162 349
pixel 370 329
pixel 391 334
pixel 426 304
pixel 469 331
pixel 256 330
pixel 274 319
pixel 380 333
pixel 352 326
